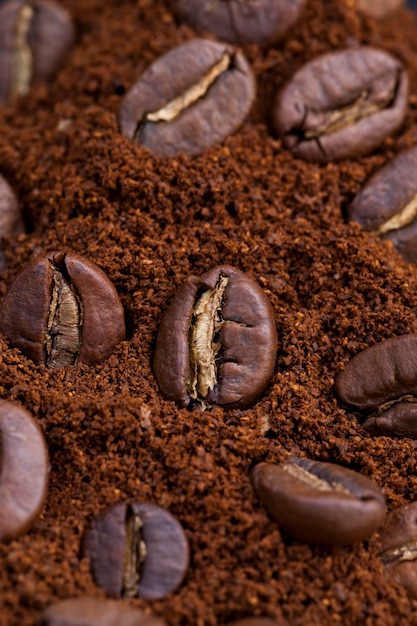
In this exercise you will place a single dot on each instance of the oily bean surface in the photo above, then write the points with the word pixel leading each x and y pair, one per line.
pixel 399 547
pixel 191 98
pixel 137 550
pixel 380 374
pixel 398 420
pixel 95 612
pixel 227 312
pixel 342 104
pixel 263 22
pixel 24 471
pixel 62 310
pixel 35 38
pixel 387 205
pixel 319 503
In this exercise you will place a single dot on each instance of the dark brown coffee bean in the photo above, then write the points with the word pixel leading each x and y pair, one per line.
pixel 217 342
pixel 188 100
pixel 387 205
pixel 62 310
pixel 95 612
pixel 319 503
pixel 24 471
pixel 11 220
pixel 399 547
pixel 342 104
pixel 383 380
pixel 137 550
pixel 264 22
pixel 35 38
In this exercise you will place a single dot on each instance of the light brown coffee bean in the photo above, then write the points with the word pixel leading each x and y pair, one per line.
pixel 24 471
pixel 319 503
pixel 62 310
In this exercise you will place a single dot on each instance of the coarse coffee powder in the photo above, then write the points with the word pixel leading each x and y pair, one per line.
pixel 149 223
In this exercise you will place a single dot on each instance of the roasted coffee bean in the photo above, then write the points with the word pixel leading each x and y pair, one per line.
pixel 137 550
pixel 264 22
pixel 24 471
pixel 95 612
pixel 35 38
pixel 319 503
pixel 387 205
pixel 382 381
pixel 190 99
pixel 342 104
pixel 217 342
pixel 376 8
pixel 11 220
pixel 399 547
pixel 63 310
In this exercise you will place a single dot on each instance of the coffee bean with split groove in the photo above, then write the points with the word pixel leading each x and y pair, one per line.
pixel 381 382
pixel 399 547
pixel 63 310
pixel 95 612
pixel 188 100
pixel 24 471
pixel 35 38
pixel 387 205
pixel 217 342
pixel 342 104
pixel 137 550
pixel 319 503
pixel 263 22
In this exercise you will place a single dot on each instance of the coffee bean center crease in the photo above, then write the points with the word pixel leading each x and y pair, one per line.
pixel 314 481
pixel 406 552
pixel 400 219
pixel 22 59
pixel 135 554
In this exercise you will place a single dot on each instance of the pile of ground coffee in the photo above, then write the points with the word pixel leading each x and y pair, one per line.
pixel 149 223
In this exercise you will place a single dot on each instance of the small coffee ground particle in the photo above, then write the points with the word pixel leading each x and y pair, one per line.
pixel 149 223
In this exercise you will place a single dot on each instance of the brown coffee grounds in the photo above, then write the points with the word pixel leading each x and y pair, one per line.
pixel 149 223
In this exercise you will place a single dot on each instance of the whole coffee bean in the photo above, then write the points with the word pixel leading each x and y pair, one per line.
pixel 319 503
pixel 11 220
pixel 35 38
pixel 342 104
pixel 24 471
pixel 387 205
pixel 217 342
pixel 137 550
pixel 95 612
pixel 63 310
pixel 188 100
pixel 382 380
pixel 399 547
pixel 264 22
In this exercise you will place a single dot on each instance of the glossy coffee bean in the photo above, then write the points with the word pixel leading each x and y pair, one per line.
pixel 382 382
pixel 264 22
pixel 35 38
pixel 217 342
pixel 24 471
pixel 62 310
pixel 399 547
pixel 377 8
pixel 137 550
pixel 95 612
pixel 188 100
pixel 342 104
pixel 319 503
pixel 387 205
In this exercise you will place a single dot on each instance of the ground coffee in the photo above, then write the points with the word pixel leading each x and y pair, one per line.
pixel 149 223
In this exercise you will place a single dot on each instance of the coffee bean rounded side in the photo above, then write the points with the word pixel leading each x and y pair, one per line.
pixel 62 310
pixel 24 471
pixel 319 503
pixel 137 550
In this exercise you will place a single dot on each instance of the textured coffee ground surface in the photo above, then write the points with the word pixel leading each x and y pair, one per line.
pixel 150 223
